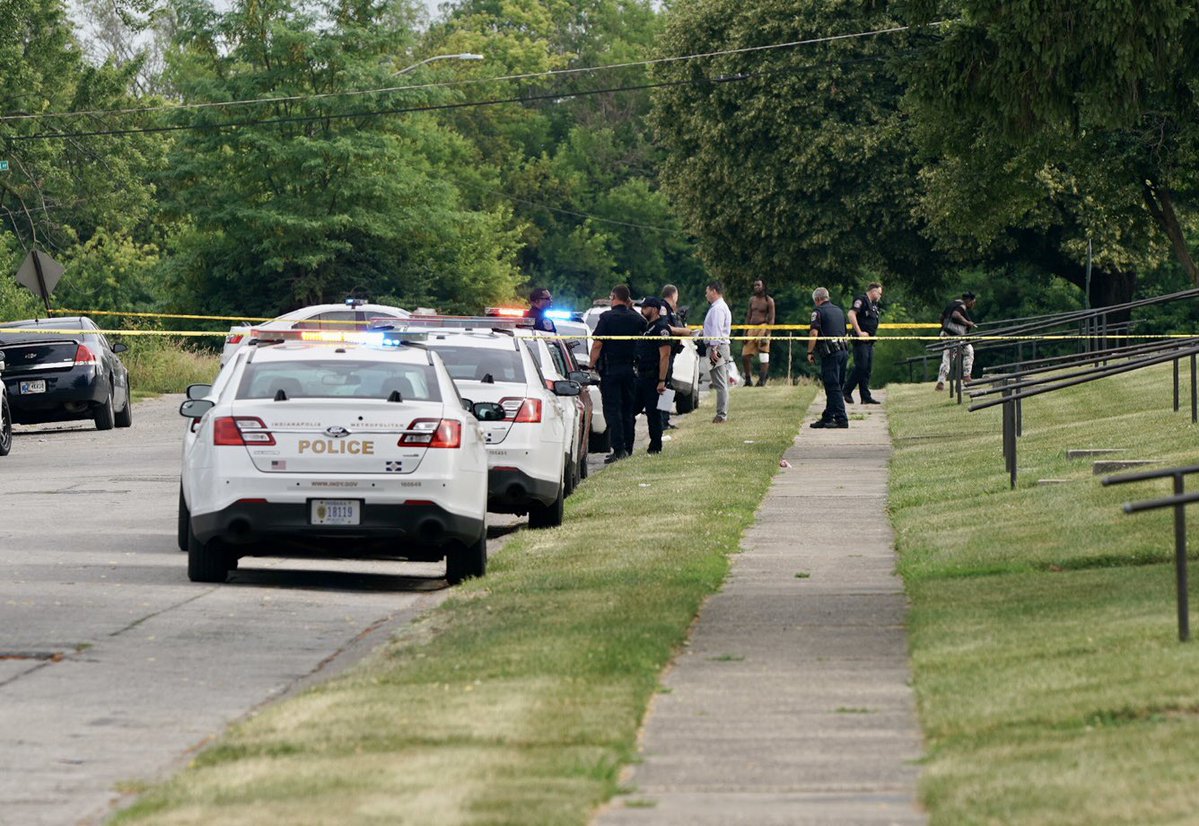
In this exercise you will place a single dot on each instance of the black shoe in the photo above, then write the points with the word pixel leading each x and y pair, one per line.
pixel 848 399
pixel 820 423
pixel 615 456
pixel 871 401
pixel 653 451
pixel 839 425
pixel 669 426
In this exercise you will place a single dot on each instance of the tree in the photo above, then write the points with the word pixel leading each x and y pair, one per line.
pixel 304 203
pixel 792 164
pixel 1062 124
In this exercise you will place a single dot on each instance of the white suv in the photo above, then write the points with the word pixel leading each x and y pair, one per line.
pixel 529 451
pixel 358 450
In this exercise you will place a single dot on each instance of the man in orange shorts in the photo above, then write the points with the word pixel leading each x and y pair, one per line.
pixel 761 312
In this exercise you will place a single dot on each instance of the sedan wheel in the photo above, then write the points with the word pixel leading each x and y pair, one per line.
pixel 5 426
pixel 124 416
pixel 463 562
pixel 206 561
pixel 104 416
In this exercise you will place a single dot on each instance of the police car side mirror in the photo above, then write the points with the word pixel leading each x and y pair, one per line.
pixel 198 391
pixel 567 388
pixel 579 376
pixel 195 408
pixel 488 411
pixel 119 348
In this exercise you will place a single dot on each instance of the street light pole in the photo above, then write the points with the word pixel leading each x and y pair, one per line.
pixel 463 56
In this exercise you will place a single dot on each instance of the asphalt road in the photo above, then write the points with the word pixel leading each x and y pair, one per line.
pixel 114 668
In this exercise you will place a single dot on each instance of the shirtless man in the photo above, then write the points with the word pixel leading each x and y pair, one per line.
pixel 761 311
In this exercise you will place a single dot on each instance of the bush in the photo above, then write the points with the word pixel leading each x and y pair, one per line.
pixel 164 364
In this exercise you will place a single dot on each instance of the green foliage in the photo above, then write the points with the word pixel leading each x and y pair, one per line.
pixel 109 272
pixel 316 204
pixel 805 169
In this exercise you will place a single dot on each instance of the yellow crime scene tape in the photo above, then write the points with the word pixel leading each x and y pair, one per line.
pixel 769 328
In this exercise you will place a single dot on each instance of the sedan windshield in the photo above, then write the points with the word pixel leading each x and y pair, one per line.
pixel 315 379
pixel 485 364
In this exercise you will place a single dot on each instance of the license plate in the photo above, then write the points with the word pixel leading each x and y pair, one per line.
pixel 38 386
pixel 335 511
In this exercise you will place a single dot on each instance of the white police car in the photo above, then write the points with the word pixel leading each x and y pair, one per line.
pixel 350 449
pixel 351 315
pixel 529 451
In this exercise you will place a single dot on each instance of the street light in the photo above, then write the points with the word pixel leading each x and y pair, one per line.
pixel 463 56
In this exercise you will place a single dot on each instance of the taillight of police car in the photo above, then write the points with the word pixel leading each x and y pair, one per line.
pixel 522 410
pixel 241 431
pixel 432 433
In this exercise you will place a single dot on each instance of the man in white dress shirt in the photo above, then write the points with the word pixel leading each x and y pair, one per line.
pixel 718 325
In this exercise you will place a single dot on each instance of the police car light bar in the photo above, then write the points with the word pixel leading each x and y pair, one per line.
pixel 504 312
pixel 456 321
pixel 318 336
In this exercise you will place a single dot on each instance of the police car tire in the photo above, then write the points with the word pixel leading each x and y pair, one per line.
pixel 687 403
pixel 206 561
pixel 103 415
pixel 568 475
pixel 124 417
pixel 599 442
pixel 185 521
pixel 548 516
pixel 466 561
pixel 584 467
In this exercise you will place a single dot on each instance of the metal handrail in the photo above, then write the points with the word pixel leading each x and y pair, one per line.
pixel 1178 502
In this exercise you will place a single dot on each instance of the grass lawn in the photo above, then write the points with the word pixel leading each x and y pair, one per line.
pixel 519 699
pixel 160 365
pixel 1051 685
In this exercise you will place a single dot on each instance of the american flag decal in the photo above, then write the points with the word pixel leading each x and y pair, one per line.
pixel 278 464
pixel 395 467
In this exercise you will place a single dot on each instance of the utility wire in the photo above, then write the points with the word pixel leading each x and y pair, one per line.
pixel 21 116
pixel 439 107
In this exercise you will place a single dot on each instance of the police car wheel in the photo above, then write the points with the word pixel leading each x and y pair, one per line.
pixel 465 561
pixel 548 516
pixel 185 521
pixel 568 476
pixel 584 467
pixel 5 426
pixel 599 442
pixel 206 561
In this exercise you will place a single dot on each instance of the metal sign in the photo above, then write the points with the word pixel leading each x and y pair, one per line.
pixel 3 166
pixel 39 273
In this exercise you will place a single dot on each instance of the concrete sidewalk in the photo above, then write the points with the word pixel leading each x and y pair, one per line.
pixel 792 704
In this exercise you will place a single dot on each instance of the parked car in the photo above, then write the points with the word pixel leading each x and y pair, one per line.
pixel 529 451
pixel 71 373
pixel 353 314
pixel 557 364
pixel 345 449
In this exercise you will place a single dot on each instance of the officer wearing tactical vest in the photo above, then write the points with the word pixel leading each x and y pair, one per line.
pixel 615 359
pixel 863 318
pixel 653 367
pixel 827 338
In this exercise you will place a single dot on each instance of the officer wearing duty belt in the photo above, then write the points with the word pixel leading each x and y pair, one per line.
pixel 653 367
pixel 827 338
pixel 615 359
pixel 863 318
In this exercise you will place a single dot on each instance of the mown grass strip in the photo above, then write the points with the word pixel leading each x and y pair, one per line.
pixel 518 701
pixel 1051 685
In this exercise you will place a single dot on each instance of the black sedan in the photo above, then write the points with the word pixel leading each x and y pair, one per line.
pixel 67 372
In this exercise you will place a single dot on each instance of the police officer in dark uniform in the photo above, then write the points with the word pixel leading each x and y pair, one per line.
pixel 678 327
pixel 653 367
pixel 827 338
pixel 539 303
pixel 615 360
pixel 863 319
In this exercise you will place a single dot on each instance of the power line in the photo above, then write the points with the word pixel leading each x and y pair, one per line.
pixel 439 107
pixel 22 116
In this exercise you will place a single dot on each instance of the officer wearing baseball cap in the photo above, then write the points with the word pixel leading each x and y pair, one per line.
pixel 653 367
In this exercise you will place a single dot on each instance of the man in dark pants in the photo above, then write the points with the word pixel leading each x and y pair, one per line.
pixel 653 367
pixel 827 337
pixel 614 358
pixel 863 318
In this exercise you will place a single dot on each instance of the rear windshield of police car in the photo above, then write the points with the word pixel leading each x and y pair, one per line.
pixel 480 363
pixel 314 379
